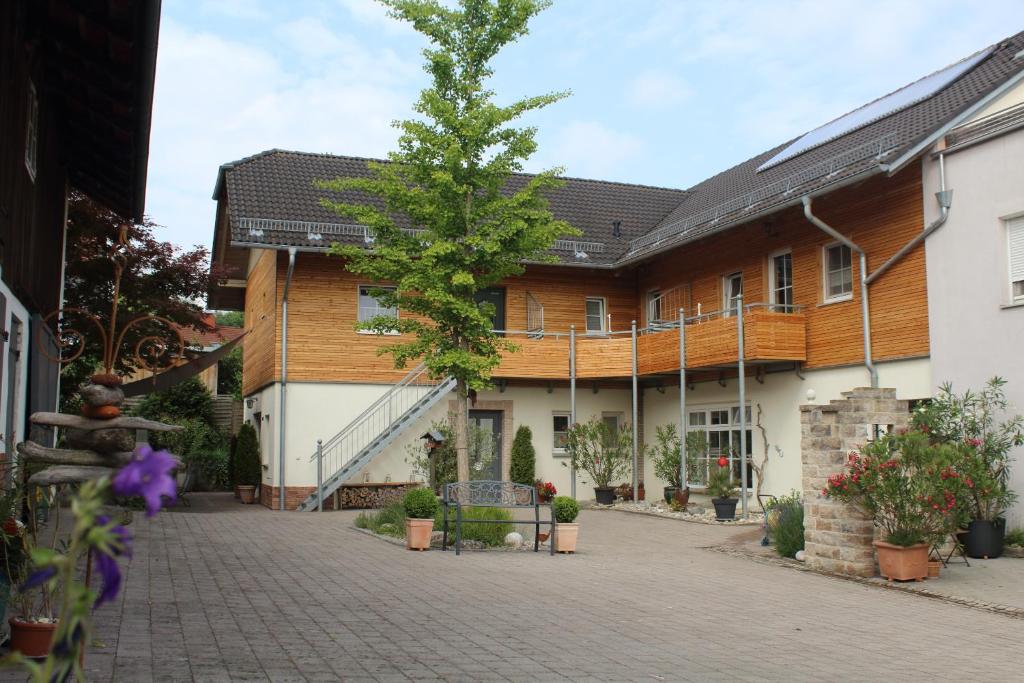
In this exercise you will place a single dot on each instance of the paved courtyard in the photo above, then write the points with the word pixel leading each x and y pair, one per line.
pixel 222 592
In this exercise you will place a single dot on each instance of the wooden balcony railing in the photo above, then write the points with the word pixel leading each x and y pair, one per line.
pixel 711 341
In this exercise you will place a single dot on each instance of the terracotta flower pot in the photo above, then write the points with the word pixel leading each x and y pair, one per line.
pixel 31 638
pixel 247 494
pixel 417 533
pixel 565 537
pixel 901 563
pixel 934 567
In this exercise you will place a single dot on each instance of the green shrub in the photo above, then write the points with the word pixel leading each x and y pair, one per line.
pixel 389 521
pixel 233 461
pixel 786 522
pixel 248 468
pixel 189 400
pixel 566 509
pixel 666 454
pixel 521 469
pixel 1015 537
pixel 420 503
pixel 438 466
pixel 488 534
pixel 720 482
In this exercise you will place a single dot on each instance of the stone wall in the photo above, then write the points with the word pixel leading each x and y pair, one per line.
pixel 837 537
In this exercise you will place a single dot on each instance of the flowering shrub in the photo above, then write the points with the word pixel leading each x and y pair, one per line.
pixel 968 422
pixel 545 490
pixel 908 485
pixel 603 454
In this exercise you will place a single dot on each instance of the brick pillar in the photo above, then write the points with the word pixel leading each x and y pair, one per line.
pixel 837 537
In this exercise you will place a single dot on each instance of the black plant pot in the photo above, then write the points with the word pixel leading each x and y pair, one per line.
pixel 985 538
pixel 725 508
pixel 669 492
pixel 605 495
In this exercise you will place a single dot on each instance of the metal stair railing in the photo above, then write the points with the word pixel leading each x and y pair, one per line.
pixel 372 429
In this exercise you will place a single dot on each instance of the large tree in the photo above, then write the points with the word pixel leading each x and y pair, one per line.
pixel 159 278
pixel 450 179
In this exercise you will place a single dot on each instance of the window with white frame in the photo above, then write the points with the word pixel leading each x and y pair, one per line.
pixel 32 131
pixel 613 421
pixel 721 427
pixel 838 261
pixel 1015 242
pixel 654 307
pixel 780 286
pixel 560 429
pixel 596 315
pixel 732 289
pixel 370 306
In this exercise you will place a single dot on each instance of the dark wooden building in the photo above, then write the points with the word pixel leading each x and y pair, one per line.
pixel 76 92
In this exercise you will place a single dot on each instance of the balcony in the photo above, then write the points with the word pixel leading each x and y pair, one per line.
pixel 711 341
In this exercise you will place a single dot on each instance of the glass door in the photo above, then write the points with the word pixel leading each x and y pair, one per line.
pixel 732 288
pixel 485 444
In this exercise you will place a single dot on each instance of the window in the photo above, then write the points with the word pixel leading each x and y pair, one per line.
pixel 1015 237
pixel 560 427
pixel 732 288
pixel 32 131
pixel 370 307
pixel 595 315
pixel 721 429
pixel 838 272
pixel 654 314
pixel 612 421
pixel 781 282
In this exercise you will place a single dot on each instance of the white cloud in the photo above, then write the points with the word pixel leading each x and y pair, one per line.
pixel 655 89
pixel 589 149
pixel 372 13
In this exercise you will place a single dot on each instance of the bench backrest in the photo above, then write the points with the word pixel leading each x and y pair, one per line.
pixel 490 494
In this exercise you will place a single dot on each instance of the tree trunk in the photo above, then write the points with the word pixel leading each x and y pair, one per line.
pixel 461 427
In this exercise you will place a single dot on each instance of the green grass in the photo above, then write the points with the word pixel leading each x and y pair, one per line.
pixel 390 521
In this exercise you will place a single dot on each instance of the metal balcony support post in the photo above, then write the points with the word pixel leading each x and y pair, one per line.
pixel 636 429
pixel 682 399
pixel 743 404
pixel 319 475
pixel 572 397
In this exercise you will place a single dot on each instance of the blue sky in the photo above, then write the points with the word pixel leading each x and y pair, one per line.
pixel 664 92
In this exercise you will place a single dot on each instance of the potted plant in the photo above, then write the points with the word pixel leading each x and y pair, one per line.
pixel 33 623
pixel 247 463
pixel 909 487
pixel 666 455
pixel 722 489
pixel 567 530
pixel 421 507
pixel 968 421
pixel 602 454
pixel 545 490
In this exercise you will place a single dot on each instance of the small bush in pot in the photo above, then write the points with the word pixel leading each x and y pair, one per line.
pixel 601 453
pixel 248 469
pixel 722 489
pixel 666 456
pixel 523 461
pixel 421 505
pixel 567 529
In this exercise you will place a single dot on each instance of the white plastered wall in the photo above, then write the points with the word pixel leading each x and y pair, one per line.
pixel 780 398
pixel 17 310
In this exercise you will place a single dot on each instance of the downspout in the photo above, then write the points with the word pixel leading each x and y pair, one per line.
pixel 945 199
pixel 284 373
pixel 843 239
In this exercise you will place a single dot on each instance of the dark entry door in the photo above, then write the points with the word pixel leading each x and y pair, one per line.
pixel 496 297
pixel 485 444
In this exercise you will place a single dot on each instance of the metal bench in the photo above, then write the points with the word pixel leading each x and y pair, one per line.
pixel 493 494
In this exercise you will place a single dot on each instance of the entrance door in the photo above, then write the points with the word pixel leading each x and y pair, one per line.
pixel 485 444
pixel 496 297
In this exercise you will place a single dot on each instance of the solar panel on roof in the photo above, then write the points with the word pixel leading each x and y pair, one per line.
pixel 879 109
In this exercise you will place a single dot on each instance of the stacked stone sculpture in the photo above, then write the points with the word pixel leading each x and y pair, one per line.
pixel 99 441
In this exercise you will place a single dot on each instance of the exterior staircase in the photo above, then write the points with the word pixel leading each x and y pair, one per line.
pixel 353 447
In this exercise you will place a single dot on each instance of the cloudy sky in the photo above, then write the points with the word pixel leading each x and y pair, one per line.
pixel 665 92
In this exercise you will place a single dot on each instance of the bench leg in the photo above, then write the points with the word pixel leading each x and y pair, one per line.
pixel 444 537
pixel 554 527
pixel 458 530
pixel 536 528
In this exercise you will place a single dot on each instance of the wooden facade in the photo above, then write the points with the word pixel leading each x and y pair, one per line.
pixel 880 214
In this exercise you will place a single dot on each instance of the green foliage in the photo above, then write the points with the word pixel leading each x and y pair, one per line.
pixel 389 520
pixel 720 483
pixel 521 469
pixel 1015 537
pixel 666 454
pixel 786 523
pixel 200 446
pixel 971 420
pixel 566 509
pixel 439 466
pixel 420 503
pixel 229 374
pixel 188 400
pixel 602 454
pixel 488 534
pixel 452 178
pixel 230 318
pixel 906 484
pixel 232 461
pixel 696 452
pixel 249 470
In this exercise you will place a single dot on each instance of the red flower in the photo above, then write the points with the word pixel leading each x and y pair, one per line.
pixel 723 461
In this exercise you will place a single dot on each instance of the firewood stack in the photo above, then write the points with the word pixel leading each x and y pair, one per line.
pixel 98 442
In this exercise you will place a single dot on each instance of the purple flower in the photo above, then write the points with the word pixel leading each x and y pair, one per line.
pixel 148 475
pixel 105 557
pixel 38 578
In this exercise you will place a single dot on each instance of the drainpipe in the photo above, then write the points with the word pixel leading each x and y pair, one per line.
pixel 945 199
pixel 284 373
pixel 843 239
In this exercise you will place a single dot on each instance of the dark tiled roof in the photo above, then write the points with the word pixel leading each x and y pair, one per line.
pixel 277 187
